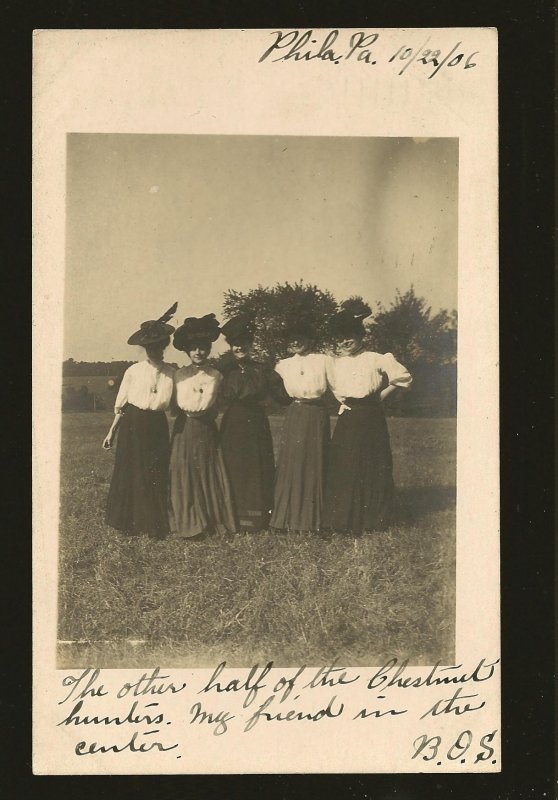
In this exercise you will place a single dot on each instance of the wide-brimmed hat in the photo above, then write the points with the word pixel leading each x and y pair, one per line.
pixel 346 325
pixel 196 329
pixel 299 327
pixel 238 329
pixel 154 330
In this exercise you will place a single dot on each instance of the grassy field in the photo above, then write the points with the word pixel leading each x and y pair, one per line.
pixel 294 599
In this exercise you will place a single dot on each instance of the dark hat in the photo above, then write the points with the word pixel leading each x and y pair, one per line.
pixel 195 329
pixel 154 330
pixel 345 324
pixel 299 327
pixel 238 329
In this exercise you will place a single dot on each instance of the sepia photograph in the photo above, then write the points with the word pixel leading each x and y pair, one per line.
pixel 259 400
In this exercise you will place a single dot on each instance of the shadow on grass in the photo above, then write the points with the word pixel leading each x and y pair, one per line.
pixel 413 502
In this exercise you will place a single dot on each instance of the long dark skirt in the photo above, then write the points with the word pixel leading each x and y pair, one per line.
pixel 200 497
pixel 359 487
pixel 299 482
pixel 137 498
pixel 248 453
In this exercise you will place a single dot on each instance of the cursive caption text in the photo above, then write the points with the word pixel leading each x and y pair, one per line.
pixel 154 712
pixel 366 48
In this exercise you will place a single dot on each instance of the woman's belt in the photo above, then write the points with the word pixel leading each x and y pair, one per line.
pixel 208 412
pixel 310 401
pixel 132 407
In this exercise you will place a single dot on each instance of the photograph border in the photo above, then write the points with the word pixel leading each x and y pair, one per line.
pixel 423 518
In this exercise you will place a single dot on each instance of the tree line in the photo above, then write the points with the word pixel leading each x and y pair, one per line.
pixel 88 369
pixel 425 342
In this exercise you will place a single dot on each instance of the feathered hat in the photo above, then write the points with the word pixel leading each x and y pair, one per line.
pixel 348 324
pixel 299 327
pixel 154 330
pixel 205 329
pixel 238 329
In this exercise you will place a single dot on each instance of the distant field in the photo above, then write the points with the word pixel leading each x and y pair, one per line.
pixel 130 601
pixel 97 385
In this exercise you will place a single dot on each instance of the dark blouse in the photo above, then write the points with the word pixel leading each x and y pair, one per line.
pixel 251 381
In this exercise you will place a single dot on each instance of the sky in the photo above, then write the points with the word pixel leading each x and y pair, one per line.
pixel 151 219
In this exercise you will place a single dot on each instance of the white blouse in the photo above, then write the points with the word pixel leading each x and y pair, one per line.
pixel 146 386
pixel 362 374
pixel 304 377
pixel 196 388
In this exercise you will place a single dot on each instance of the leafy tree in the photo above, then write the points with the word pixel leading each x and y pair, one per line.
pixel 272 308
pixel 71 368
pixel 409 330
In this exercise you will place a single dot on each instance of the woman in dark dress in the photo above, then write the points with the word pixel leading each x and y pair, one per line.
pixel 359 485
pixel 245 433
pixel 137 498
pixel 200 497
pixel 299 483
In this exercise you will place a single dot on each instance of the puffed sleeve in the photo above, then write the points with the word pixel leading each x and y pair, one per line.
pixel 396 373
pixel 122 396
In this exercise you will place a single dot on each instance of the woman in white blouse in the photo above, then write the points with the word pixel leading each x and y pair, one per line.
pixel 200 498
pixel 299 483
pixel 360 480
pixel 137 499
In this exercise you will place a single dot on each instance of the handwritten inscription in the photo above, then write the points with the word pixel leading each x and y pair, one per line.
pixel 85 749
pixel 427 747
pixel 86 687
pixel 305 46
pixel 251 685
pixel 391 674
pixel 298 46
pixel 262 696
pixel 332 710
pixel 451 705
pixel 219 719
pixel 75 717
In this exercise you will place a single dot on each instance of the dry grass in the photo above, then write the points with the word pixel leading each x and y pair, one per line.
pixel 258 597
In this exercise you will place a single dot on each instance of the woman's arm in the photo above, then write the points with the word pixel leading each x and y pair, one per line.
pixel 387 391
pixel 276 389
pixel 173 403
pixel 120 402
pixel 397 375
pixel 109 438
